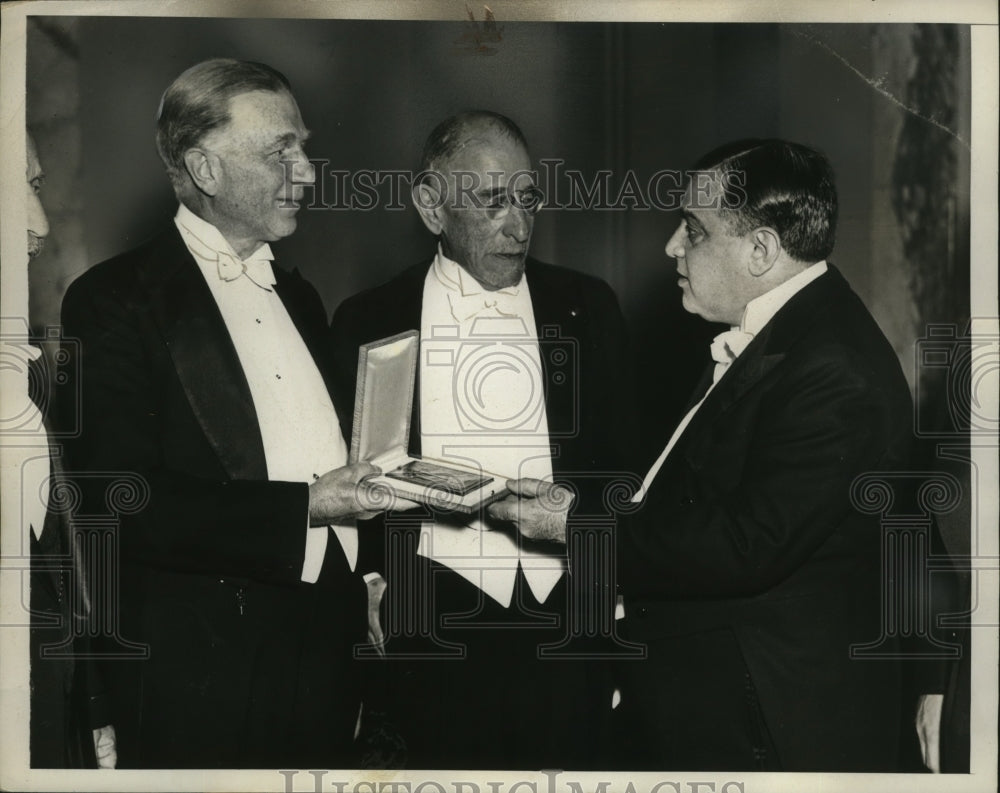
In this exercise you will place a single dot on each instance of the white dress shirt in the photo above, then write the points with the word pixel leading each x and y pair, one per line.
pixel 482 404
pixel 298 423
pixel 756 315
pixel 35 466
pixel 24 475
pixel 26 472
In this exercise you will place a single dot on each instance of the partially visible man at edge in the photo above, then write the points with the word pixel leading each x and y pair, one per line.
pixel 203 372
pixel 69 720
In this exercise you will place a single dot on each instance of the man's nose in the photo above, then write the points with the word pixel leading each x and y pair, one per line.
pixel 518 224
pixel 300 168
pixel 38 223
pixel 675 245
pixel 305 171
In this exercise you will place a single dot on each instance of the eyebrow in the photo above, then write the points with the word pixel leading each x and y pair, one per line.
pixel 290 137
pixel 496 191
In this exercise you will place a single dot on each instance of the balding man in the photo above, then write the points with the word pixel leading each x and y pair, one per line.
pixel 520 374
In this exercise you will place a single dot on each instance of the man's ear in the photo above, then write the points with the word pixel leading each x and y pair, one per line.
pixel 205 170
pixel 766 249
pixel 429 204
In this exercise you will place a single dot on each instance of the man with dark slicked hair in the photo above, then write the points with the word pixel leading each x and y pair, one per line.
pixel 203 371
pixel 748 572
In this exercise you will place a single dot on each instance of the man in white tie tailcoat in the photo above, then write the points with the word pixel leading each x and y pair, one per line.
pixel 489 660
pixel 203 375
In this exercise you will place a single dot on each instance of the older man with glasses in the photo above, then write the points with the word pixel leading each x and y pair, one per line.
pixel 520 372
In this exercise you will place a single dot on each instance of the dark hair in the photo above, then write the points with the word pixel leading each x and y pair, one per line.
pixel 780 184
pixel 198 102
pixel 452 134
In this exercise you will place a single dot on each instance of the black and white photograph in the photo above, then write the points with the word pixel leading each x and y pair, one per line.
pixel 703 295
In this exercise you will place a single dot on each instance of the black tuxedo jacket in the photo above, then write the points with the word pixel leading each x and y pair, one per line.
pixel 212 553
pixel 748 540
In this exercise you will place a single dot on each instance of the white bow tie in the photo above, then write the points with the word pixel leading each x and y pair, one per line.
pixel 229 266
pixel 466 307
pixel 257 269
pixel 726 348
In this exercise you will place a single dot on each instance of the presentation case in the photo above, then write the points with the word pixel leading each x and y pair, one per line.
pixel 383 404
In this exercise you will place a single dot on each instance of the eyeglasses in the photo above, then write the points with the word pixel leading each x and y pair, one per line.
pixel 497 206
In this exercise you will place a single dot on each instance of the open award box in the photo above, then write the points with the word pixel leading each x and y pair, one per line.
pixel 383 405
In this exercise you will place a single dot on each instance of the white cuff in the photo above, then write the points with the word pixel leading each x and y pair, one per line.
pixel 316 540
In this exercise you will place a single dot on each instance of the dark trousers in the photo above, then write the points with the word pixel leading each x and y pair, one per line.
pixel 240 675
pixel 479 692
pixel 694 709
pixel 60 726
pixel 59 736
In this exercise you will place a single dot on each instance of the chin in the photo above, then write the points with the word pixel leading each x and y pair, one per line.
pixel 511 276
pixel 512 263
pixel 283 229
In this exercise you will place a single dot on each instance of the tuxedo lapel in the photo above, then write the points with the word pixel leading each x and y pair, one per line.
pixel 205 358
pixel 560 324
pixel 704 383
pixel 743 374
pixel 408 303
pixel 551 302
pixel 767 350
